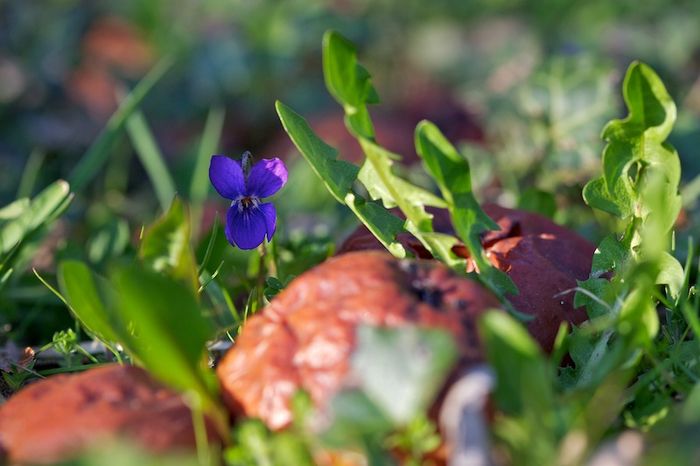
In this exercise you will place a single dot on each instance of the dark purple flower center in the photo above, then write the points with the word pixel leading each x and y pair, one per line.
pixel 246 202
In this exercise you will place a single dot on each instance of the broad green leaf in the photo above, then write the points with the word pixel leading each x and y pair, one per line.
pixel 380 181
pixel 523 379
pixel 372 180
pixel 593 296
pixel 90 298
pixel 671 274
pixel 351 86
pixel 452 174
pixel 392 190
pixel 337 175
pixel 98 153
pixel 169 329
pixel 596 196
pixel 636 151
pixel 402 369
pixel 651 109
pixel 384 225
pixel 166 245
pixel 151 158
pixel 14 209
pixel 618 159
pixel 349 82
pixel 610 255
pixel 40 211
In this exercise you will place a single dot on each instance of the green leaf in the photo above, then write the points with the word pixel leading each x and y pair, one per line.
pixel 151 158
pixel 377 189
pixel 256 445
pixel 651 109
pixel 452 174
pixel 337 175
pixel 523 379
pixel 384 225
pixel 610 255
pixel 671 274
pixel 90 298
pixel 382 184
pixel 636 151
pixel 42 209
pixel 199 184
pixel 411 200
pixel 596 195
pixel 639 321
pixel 618 159
pixel 166 245
pixel 98 153
pixel 14 209
pixel 169 329
pixel 349 83
pixel 594 296
pixel 402 369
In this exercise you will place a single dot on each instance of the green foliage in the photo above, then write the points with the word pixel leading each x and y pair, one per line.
pixel 151 158
pixel 199 184
pixel 121 452
pixel 452 174
pixel 151 308
pixel 524 380
pixel 23 217
pixel 635 150
pixel 524 390
pixel 350 84
pixel 337 175
pixel 166 248
pixel 639 184
pixel 255 445
pixel 90 299
pixel 168 332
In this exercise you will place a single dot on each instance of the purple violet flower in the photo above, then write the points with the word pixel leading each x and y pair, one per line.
pixel 248 220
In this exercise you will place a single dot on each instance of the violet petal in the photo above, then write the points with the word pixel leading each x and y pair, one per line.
pixel 227 176
pixel 247 227
pixel 266 178
pixel 268 209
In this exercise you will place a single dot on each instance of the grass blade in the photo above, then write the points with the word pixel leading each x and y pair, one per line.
pixel 99 151
pixel 199 185
pixel 151 158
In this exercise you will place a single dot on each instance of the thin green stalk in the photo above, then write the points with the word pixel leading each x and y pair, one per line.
pixel 151 158
pixel 98 153
pixel 199 185
pixel 30 173
pixel 204 455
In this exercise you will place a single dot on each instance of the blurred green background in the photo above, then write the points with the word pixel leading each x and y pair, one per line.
pixel 523 87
